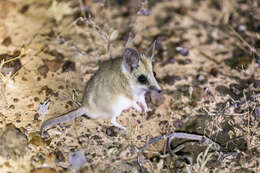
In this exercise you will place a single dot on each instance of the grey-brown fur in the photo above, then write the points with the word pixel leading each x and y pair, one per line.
pixel 116 86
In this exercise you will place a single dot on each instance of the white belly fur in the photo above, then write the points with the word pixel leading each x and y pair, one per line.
pixel 122 103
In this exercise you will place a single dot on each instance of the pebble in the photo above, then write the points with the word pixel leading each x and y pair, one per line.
pixel 187 61
pixel 242 28
pixel 202 79
pixel 7 41
pixel 172 60
pixel 144 11
pixel 256 113
pixel 112 131
pixel 183 51
pixel 53 65
pixel 43 70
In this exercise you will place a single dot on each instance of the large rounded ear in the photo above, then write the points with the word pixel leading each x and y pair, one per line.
pixel 150 52
pixel 131 59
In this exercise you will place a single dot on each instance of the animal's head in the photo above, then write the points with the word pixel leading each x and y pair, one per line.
pixel 139 69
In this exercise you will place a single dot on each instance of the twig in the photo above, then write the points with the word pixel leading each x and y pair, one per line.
pixel 179 135
pixel 253 49
pixel 247 100
pixel 81 5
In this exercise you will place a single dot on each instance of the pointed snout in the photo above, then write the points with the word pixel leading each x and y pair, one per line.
pixel 156 88
pixel 154 85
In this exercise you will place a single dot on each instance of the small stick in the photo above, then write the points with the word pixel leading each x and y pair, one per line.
pixel 253 49
pixel 179 135
pixel 249 99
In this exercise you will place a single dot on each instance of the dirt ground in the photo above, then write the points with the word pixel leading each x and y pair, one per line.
pixel 207 60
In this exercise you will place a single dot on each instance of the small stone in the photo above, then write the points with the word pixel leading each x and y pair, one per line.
pixel 16 100
pixel 184 62
pixel 43 70
pixel 202 79
pixel 24 9
pixel 36 116
pixel 187 61
pixel 198 93
pixel 172 60
pixel 114 35
pixel 144 11
pixel 7 41
pixel 112 131
pixel 178 123
pixel 68 66
pixel 53 65
pixel 36 99
pixel 242 28
pixel 256 113
pixel 183 51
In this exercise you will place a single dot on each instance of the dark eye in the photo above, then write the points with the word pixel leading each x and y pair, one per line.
pixel 142 79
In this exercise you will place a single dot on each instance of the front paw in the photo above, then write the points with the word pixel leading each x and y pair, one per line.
pixel 137 107
pixel 147 109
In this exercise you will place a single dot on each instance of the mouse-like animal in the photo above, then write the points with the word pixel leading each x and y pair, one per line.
pixel 118 84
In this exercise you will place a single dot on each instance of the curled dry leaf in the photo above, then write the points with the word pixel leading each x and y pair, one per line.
pixel 157 98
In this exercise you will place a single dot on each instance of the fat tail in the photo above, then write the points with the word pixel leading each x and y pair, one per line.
pixel 63 118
